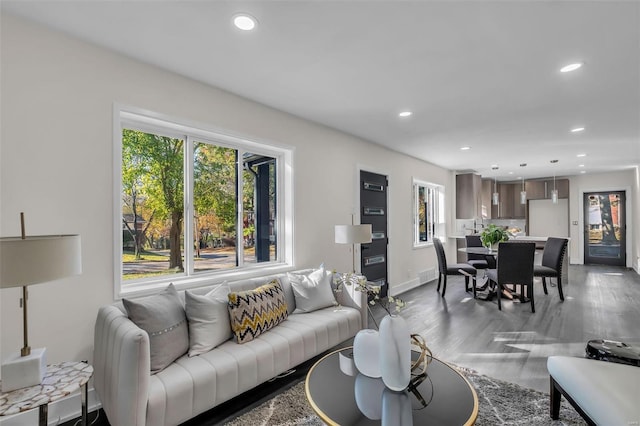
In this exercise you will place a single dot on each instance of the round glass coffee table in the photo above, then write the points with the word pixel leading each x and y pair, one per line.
pixel 340 395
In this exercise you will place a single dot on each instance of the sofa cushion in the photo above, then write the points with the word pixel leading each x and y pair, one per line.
pixel 254 312
pixel 163 318
pixel 208 318
pixel 312 291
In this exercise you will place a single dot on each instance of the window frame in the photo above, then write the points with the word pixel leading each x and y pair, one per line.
pixel 141 120
pixel 438 205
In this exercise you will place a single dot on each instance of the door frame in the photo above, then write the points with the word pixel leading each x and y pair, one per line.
pixel 579 258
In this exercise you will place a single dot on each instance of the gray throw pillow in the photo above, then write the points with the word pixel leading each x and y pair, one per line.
pixel 163 318
pixel 208 318
pixel 312 291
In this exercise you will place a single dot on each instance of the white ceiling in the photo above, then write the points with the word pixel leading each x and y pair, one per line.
pixel 478 73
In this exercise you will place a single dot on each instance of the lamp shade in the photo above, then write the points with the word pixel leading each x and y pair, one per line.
pixel 353 234
pixel 38 259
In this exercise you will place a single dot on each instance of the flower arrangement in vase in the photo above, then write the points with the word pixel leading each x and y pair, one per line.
pixel 391 360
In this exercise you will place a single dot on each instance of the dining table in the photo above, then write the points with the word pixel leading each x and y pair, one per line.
pixel 483 291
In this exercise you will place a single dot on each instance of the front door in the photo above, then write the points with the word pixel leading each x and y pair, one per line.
pixel 373 210
pixel 605 226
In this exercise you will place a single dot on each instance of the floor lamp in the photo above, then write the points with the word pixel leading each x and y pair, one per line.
pixel 353 234
pixel 33 260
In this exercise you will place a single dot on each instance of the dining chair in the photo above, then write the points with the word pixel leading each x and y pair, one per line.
pixel 468 271
pixel 478 261
pixel 514 267
pixel 553 256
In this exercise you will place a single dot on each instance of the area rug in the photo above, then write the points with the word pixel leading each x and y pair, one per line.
pixel 500 403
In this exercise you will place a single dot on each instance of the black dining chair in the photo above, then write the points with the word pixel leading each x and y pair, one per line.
pixel 468 271
pixel 478 261
pixel 514 267
pixel 553 256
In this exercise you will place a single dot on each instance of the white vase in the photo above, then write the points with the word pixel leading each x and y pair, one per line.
pixel 368 393
pixel 395 352
pixel 396 408
pixel 366 352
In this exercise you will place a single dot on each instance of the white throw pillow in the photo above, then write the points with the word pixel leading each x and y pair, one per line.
pixel 208 318
pixel 312 291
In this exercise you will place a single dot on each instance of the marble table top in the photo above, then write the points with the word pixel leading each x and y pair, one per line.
pixel 59 381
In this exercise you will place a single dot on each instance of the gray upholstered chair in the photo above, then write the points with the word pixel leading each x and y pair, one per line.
pixel 478 261
pixel 514 266
pixel 468 271
pixel 552 259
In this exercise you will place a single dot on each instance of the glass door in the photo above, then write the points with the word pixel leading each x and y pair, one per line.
pixel 605 226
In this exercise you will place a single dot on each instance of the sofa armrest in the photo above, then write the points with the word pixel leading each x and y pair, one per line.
pixel 121 367
pixel 349 296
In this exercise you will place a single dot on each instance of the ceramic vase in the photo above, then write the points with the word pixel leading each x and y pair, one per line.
pixel 395 352
pixel 366 352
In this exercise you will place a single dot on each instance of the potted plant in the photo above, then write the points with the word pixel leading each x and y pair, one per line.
pixel 492 235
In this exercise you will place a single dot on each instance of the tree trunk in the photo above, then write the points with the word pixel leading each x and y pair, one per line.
pixel 175 253
pixel 608 231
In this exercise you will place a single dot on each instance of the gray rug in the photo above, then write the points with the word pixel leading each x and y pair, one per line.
pixel 500 403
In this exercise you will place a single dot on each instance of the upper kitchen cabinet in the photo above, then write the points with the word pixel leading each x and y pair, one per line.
pixel 541 189
pixel 468 196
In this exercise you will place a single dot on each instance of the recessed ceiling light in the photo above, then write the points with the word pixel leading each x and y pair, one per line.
pixel 405 114
pixel 510 173
pixel 577 129
pixel 571 67
pixel 244 22
pixel 581 155
pixel 580 165
pixel 465 148
pixel 583 171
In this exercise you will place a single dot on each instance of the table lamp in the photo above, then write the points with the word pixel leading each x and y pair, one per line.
pixel 353 234
pixel 33 260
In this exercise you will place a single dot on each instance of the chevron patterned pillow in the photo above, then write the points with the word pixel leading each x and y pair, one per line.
pixel 253 312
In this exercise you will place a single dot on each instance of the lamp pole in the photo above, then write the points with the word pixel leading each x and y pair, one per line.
pixel 26 350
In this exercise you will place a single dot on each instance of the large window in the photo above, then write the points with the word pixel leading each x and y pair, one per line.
pixel 195 203
pixel 429 216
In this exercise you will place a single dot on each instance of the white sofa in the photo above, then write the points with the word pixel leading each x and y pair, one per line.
pixel 604 393
pixel 132 396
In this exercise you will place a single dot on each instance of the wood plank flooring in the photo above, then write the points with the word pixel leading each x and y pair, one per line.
pixel 513 344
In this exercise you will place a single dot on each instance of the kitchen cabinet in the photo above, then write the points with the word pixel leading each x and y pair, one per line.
pixel 541 189
pixel 468 196
pixel 519 209
pixel 509 206
pixel 487 190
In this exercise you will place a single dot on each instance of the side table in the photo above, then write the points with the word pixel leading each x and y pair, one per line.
pixel 59 381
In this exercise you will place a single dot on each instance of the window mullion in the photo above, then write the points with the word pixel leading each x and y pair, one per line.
pixel 189 211
pixel 240 208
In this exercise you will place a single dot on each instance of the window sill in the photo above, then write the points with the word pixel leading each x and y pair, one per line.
pixel 139 289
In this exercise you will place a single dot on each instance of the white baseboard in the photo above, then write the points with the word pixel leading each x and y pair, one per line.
pixel 423 277
pixel 60 411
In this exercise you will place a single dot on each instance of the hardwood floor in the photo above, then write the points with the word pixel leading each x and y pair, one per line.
pixel 513 344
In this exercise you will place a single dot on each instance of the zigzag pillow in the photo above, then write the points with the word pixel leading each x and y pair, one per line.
pixel 253 312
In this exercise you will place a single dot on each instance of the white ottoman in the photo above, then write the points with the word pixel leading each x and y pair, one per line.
pixel 604 393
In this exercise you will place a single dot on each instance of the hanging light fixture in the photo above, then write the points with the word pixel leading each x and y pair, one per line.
pixel 554 191
pixel 523 193
pixel 495 197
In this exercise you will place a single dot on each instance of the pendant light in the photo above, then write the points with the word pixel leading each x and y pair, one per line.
pixel 523 193
pixel 496 197
pixel 554 191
